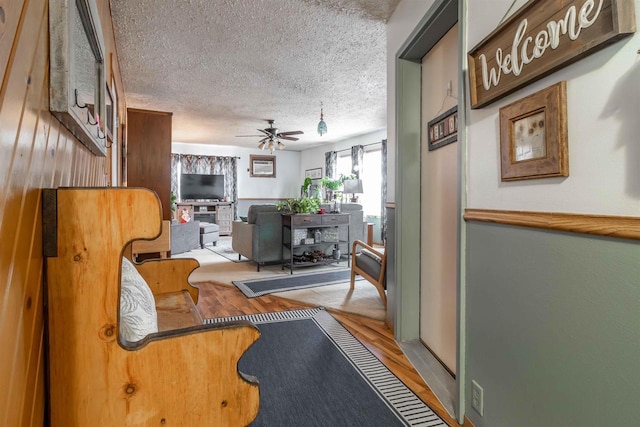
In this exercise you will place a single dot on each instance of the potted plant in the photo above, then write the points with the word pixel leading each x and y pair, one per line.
pixel 299 205
pixel 172 202
pixel 305 187
pixel 331 186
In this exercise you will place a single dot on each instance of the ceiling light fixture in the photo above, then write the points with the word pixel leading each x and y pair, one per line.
pixel 322 126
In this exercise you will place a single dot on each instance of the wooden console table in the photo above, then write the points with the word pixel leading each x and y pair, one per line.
pixel 292 238
pixel 220 213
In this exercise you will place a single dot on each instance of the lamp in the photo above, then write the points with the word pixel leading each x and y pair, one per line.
pixel 322 126
pixel 353 186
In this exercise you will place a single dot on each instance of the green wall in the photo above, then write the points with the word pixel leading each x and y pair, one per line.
pixel 553 327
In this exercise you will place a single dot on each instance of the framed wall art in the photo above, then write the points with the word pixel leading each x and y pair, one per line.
pixel 443 129
pixel 544 36
pixel 313 173
pixel 262 166
pixel 533 135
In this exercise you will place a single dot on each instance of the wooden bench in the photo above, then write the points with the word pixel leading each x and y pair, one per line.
pixel 184 375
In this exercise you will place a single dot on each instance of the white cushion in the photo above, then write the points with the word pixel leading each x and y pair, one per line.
pixel 138 316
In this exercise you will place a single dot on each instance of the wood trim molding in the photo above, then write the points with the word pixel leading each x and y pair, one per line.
pixel 602 225
pixel 261 198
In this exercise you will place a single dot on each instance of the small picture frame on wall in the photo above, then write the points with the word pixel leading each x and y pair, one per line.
pixel 262 166
pixel 533 135
pixel 443 129
pixel 313 173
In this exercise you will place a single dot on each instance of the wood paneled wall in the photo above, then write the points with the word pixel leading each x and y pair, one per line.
pixel 36 151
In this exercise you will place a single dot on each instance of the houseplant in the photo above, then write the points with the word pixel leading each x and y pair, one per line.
pixel 305 187
pixel 299 205
pixel 173 200
pixel 331 186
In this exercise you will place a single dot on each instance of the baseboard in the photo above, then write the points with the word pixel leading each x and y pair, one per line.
pixel 467 423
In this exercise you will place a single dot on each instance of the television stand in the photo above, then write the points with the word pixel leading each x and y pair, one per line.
pixel 220 213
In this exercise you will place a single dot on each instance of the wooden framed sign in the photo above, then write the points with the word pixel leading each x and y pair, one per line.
pixel 443 129
pixel 542 37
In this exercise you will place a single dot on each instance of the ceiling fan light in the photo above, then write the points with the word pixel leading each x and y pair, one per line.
pixel 261 146
pixel 271 146
pixel 281 146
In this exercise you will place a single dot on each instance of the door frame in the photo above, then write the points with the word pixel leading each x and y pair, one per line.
pixel 438 20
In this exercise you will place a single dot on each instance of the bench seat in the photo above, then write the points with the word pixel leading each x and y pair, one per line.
pixel 176 310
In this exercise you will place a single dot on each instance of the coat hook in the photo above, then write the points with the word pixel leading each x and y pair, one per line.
pixel 76 101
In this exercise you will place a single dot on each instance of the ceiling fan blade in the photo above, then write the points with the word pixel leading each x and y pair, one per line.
pixel 288 138
pixel 266 138
pixel 247 136
pixel 292 132
pixel 264 131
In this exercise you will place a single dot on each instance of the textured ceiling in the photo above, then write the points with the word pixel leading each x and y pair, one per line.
pixel 223 66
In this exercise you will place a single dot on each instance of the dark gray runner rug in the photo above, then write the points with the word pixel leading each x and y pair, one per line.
pixel 257 287
pixel 313 372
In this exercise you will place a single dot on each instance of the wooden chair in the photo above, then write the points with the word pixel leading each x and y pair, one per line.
pixel 161 245
pixel 179 377
pixel 371 264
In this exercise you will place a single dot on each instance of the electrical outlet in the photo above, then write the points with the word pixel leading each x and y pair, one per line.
pixel 477 398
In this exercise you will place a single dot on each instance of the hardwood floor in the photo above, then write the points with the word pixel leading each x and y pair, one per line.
pixel 221 300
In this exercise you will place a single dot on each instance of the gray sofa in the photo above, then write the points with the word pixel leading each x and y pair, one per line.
pixel 357 224
pixel 260 237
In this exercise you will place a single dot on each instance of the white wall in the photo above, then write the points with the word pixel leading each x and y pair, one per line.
pixel 286 183
pixel 405 18
pixel 314 157
pixel 603 92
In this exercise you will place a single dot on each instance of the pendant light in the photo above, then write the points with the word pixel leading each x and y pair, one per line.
pixel 322 126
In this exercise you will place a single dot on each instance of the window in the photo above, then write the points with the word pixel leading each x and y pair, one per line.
pixel 372 183
pixel 371 199
pixel 344 164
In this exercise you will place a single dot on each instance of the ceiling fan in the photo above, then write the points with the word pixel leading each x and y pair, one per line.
pixel 271 137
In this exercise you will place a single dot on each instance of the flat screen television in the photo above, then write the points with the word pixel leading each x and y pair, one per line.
pixel 201 187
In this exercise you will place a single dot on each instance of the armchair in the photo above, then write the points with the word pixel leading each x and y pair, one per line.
pixel 260 238
pixel 370 264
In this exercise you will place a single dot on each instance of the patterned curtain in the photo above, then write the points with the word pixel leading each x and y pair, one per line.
pixel 192 163
pixel 383 211
pixel 357 160
pixel 213 165
pixel 331 164
pixel 228 166
pixel 175 172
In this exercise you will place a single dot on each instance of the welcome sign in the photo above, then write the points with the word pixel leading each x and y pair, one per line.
pixel 542 37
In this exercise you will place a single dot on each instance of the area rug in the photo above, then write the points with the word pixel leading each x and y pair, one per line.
pixel 313 372
pixel 363 300
pixel 223 248
pixel 268 285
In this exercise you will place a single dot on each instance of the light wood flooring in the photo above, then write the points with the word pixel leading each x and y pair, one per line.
pixel 220 300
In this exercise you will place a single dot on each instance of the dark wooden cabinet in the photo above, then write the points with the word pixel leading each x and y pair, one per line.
pixel 315 233
pixel 149 154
